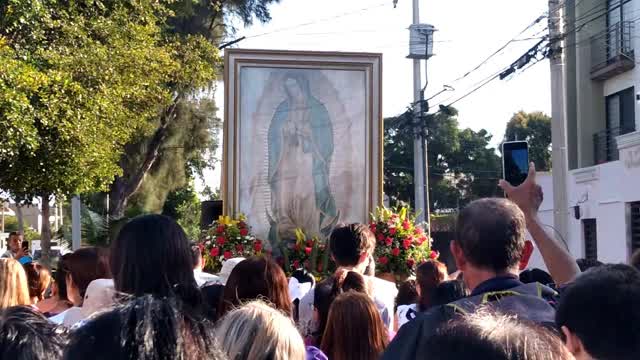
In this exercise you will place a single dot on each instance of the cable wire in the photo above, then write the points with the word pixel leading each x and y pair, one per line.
pixel 288 28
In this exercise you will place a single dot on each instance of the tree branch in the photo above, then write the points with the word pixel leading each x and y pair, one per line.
pixel 125 186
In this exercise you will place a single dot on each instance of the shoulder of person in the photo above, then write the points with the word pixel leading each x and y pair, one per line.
pixel 382 288
pixel 408 342
pixel 534 302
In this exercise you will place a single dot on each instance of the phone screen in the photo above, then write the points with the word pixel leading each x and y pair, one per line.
pixel 515 161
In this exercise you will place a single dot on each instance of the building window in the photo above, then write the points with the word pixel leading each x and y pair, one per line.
pixel 590 233
pixel 621 112
pixel 634 221
pixel 618 10
pixel 620 120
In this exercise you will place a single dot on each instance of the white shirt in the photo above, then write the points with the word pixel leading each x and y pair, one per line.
pixel 203 277
pixel 384 297
pixel 68 317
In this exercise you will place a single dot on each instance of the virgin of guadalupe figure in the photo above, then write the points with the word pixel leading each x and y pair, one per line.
pixel 300 142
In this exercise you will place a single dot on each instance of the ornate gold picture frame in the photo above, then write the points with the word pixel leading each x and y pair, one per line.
pixel 303 139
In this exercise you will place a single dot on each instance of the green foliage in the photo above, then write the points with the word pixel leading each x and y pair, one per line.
pixel 96 228
pixel 184 206
pixel 10 224
pixel 191 141
pixel 79 81
pixel 462 166
pixel 30 234
pixel 212 18
pixel 535 128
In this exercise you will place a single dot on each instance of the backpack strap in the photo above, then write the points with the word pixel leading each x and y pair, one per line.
pixel 533 290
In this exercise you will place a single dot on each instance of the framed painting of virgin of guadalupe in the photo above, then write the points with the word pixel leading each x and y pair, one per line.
pixel 302 140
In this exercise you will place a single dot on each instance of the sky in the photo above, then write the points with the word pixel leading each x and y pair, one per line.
pixel 469 31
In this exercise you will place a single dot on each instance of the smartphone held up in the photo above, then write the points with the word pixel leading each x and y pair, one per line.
pixel 515 161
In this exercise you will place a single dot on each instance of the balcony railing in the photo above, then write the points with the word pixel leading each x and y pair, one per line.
pixel 612 51
pixel 605 146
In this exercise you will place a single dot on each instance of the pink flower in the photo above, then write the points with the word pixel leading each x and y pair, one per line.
pixel 434 254
pixel 388 241
pixel 220 229
pixel 410 263
pixel 227 255
pixel 310 243
pixel 392 231
pixel 308 250
pixel 296 247
pixel 257 246
pixel 422 239
pixel 296 264
pixel 244 232
pixel 419 231
pixel 373 228
pixel 221 240
pixel 395 251
pixel 380 237
pixel 215 252
pixel 383 260
pixel 239 248
pixel 406 243
pixel 406 225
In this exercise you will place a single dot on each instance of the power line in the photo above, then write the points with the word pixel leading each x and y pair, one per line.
pixel 536 21
pixel 288 28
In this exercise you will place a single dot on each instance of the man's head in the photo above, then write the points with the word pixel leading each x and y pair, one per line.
pixel 490 238
pixel 599 314
pixel 15 240
pixel 351 245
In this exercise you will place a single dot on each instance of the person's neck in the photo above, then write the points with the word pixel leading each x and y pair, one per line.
pixel 352 268
pixel 474 276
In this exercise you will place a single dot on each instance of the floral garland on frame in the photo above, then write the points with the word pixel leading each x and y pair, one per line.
pixel 401 244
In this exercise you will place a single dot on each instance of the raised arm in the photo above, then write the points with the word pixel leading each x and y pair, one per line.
pixel 528 196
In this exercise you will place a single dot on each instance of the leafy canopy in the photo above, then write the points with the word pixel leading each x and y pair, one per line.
pixel 80 79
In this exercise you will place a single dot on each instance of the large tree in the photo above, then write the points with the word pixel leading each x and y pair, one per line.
pixel 140 164
pixel 78 80
pixel 462 165
pixel 534 127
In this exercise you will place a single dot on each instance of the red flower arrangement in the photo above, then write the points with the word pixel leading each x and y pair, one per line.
pixel 401 244
pixel 308 253
pixel 227 238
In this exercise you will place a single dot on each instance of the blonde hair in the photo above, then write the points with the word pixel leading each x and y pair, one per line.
pixel 257 331
pixel 14 290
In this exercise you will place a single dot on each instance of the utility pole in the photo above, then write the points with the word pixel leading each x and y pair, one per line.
pixel 558 117
pixel 418 152
pixel 420 47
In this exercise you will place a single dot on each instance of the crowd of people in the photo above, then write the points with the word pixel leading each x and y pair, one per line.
pixel 147 297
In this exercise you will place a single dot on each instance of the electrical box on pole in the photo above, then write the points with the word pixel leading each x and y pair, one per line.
pixel 421 41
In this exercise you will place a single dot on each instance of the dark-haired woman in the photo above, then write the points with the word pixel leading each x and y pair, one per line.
pixel 38 280
pixel 147 327
pixel 58 301
pixel 256 278
pixel 326 292
pixel 152 256
pixel 81 267
pixel 429 275
pixel 355 330
pixel 26 334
